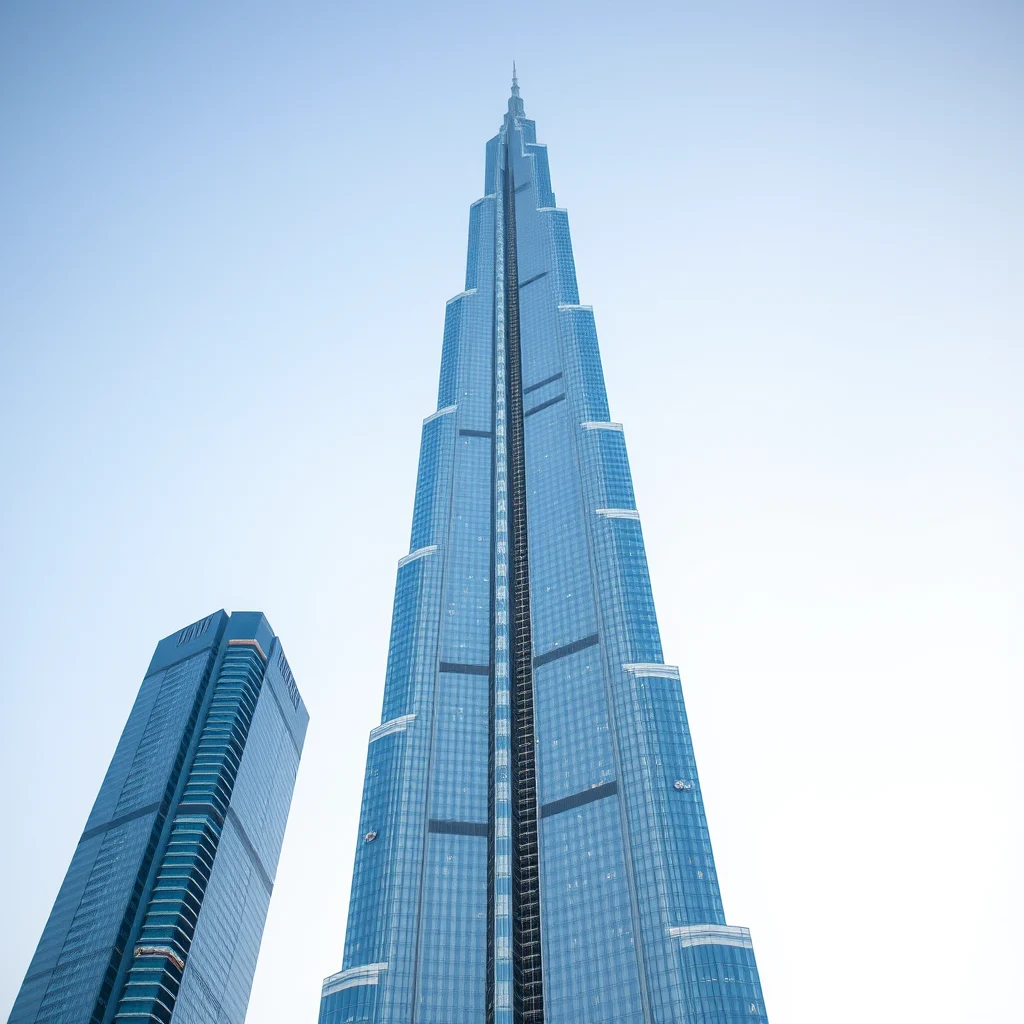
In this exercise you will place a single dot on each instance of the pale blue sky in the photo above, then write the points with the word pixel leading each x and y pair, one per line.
pixel 227 234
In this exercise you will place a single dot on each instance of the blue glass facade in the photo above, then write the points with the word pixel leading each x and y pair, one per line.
pixel 161 913
pixel 532 844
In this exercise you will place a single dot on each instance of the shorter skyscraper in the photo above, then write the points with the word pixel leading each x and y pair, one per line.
pixel 161 913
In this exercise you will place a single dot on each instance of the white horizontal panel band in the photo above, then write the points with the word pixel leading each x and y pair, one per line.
pixel 462 295
pixel 574 305
pixel 395 725
pixel 418 553
pixel 440 412
pixel 366 974
pixel 651 670
pixel 712 935
pixel 617 513
pixel 602 426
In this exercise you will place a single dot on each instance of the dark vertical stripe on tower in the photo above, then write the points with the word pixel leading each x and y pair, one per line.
pixel 528 994
pixel 165 941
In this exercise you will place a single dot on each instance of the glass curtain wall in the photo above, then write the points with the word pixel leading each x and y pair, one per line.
pixel 532 843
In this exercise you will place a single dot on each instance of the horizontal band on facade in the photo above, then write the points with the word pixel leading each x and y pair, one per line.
pixel 440 412
pixel 598 425
pixel 418 553
pixel 366 974
pixel 617 513
pixel 455 668
pixel 530 280
pixel 567 306
pixel 457 828
pixel 461 295
pixel 588 796
pixel 544 405
pixel 525 185
pixel 122 819
pixel 562 652
pixel 246 642
pixel 466 432
pixel 546 380
pixel 394 725
pixel 654 671
pixel 712 935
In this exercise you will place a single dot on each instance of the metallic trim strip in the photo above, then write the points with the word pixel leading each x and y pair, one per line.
pixel 165 951
pixel 712 935
pixel 617 513
pixel 393 725
pixel 597 425
pixel 418 553
pixel 243 642
pixel 440 412
pixel 650 671
pixel 365 974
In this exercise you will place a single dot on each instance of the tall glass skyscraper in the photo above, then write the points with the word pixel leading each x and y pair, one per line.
pixel 532 844
pixel 161 912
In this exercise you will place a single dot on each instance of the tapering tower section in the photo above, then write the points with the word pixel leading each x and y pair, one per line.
pixel 532 845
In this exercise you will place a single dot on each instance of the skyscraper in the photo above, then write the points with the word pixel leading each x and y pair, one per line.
pixel 161 912
pixel 532 844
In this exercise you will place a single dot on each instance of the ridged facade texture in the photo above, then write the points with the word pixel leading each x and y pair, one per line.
pixel 161 913
pixel 532 844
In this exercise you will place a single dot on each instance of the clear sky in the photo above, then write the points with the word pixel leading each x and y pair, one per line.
pixel 227 234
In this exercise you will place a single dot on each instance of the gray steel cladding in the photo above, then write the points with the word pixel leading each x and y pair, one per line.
pixel 161 913
pixel 532 844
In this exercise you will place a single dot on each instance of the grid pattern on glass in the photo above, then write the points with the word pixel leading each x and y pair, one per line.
pixel 165 940
pixel 219 970
pixel 117 886
pixel 498 1004
pixel 574 749
pixel 451 961
pixel 528 999
pixel 624 860
pixel 79 959
pixel 589 957
pixel 386 906
pixel 666 855
pixel 451 984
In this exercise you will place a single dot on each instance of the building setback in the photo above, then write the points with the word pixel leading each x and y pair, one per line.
pixel 161 912
pixel 532 844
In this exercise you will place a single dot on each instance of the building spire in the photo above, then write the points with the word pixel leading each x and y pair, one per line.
pixel 515 104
